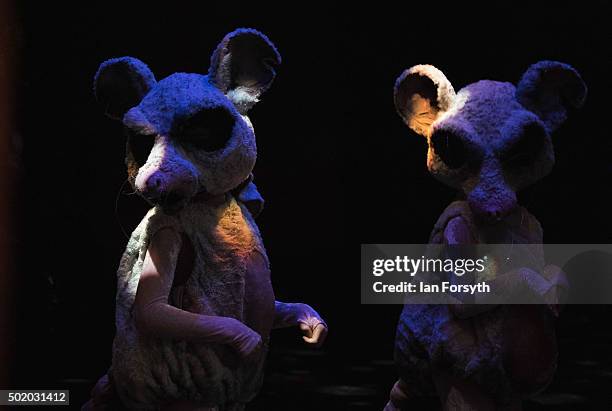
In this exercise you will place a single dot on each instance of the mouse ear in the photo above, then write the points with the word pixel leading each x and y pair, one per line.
pixel 120 84
pixel 243 66
pixel 421 94
pixel 549 88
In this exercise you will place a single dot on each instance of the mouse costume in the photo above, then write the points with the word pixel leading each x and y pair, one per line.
pixel 488 141
pixel 195 304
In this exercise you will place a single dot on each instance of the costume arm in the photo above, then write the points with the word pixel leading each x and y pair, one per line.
pixel 549 286
pixel 156 318
pixel 298 314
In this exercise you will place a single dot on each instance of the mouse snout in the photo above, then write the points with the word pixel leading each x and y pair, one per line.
pixel 158 186
pixel 166 178
pixel 489 195
pixel 164 187
pixel 493 208
pixel 152 189
pixel 491 203
pixel 492 214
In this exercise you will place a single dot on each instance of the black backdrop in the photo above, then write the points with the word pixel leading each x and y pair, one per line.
pixel 336 165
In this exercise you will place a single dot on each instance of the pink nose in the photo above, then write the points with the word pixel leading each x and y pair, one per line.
pixel 153 188
pixel 492 208
pixel 494 214
pixel 166 189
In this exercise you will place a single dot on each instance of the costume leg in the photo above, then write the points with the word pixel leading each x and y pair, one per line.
pixel 461 394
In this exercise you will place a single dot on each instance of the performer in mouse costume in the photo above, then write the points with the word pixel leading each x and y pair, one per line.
pixel 489 140
pixel 195 305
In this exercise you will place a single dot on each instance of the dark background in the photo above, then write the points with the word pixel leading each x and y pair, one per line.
pixel 336 166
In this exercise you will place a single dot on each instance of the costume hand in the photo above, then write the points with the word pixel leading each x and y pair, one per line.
pixel 245 341
pixel 311 325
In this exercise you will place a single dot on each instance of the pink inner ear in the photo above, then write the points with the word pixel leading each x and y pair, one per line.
pixel 421 93
pixel 423 114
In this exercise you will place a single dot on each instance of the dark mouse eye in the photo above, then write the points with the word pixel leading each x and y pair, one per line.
pixel 140 145
pixel 450 148
pixel 207 130
pixel 527 148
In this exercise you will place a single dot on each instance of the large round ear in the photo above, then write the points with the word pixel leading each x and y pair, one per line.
pixel 243 66
pixel 549 88
pixel 120 84
pixel 421 94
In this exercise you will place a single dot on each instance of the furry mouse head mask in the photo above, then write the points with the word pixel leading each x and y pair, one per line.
pixel 491 138
pixel 189 133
